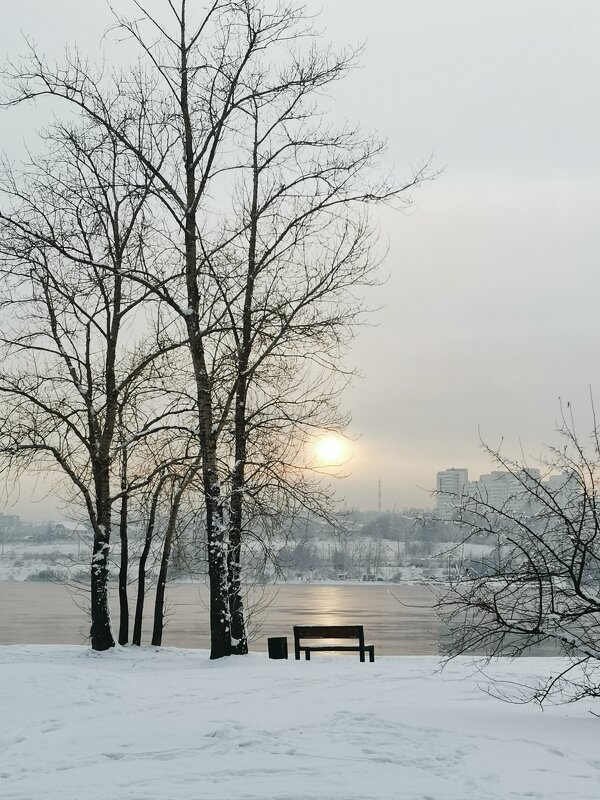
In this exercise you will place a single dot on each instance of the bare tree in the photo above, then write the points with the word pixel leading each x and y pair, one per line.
pixel 538 586
pixel 73 341
pixel 303 250
pixel 259 233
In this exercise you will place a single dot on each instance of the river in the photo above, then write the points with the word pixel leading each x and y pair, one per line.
pixel 398 619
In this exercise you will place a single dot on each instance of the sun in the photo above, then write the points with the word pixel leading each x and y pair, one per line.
pixel 331 451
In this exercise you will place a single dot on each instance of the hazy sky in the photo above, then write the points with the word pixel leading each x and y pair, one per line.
pixel 491 306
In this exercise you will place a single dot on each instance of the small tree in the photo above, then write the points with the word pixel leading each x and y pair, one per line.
pixel 539 583
pixel 78 354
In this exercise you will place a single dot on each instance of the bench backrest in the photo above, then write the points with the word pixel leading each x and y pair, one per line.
pixel 329 632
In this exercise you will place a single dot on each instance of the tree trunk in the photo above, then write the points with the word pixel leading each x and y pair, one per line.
pixel 239 638
pixel 124 562
pixel 163 574
pixel 220 629
pixel 216 540
pixel 101 631
pixel 159 603
pixel 141 592
pixel 220 619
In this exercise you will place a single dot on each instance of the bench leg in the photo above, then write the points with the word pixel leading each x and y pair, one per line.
pixel 307 652
pixel 362 655
pixel 372 654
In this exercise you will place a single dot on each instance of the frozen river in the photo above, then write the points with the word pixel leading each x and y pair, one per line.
pixel 398 620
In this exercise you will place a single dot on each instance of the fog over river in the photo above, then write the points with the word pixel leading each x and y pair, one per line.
pixel 398 619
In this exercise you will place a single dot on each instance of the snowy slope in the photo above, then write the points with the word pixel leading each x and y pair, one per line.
pixel 170 724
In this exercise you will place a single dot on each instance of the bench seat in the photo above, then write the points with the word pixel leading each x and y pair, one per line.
pixel 331 632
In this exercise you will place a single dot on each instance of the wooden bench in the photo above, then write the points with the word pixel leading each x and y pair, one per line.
pixel 332 632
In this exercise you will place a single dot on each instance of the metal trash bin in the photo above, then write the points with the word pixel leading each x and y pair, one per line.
pixel 277 646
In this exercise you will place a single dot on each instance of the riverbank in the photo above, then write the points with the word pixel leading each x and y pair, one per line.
pixel 148 724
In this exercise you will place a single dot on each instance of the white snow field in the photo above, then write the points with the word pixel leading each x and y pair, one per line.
pixel 144 723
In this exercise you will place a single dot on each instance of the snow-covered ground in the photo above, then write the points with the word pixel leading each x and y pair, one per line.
pixel 31 560
pixel 138 724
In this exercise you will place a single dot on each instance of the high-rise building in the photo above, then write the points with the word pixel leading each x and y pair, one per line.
pixel 500 489
pixel 451 485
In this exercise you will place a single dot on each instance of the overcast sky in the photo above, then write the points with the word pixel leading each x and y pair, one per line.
pixel 490 311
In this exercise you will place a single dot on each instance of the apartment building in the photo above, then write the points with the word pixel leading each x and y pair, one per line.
pixel 451 485
pixel 498 489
